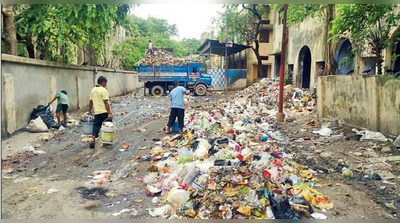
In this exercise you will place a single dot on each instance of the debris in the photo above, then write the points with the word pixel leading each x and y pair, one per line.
pixel 161 211
pixel 125 145
pixel 386 150
pixel 95 193
pixel 319 216
pixel 37 125
pixel 388 182
pixel 33 188
pixel 396 143
pixel 376 176
pixel 347 173
pixel 324 131
pixel 366 135
pixel 51 191
pixel 121 212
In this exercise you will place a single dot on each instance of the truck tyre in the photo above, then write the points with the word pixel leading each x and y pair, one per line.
pixel 200 90
pixel 157 91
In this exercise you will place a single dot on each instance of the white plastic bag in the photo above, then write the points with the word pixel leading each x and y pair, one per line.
pixel 37 125
pixel 324 131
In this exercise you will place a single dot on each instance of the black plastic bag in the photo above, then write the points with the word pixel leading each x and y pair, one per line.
pixel 44 112
pixel 299 199
pixel 281 207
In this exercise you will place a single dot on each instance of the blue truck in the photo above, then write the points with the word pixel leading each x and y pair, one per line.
pixel 159 79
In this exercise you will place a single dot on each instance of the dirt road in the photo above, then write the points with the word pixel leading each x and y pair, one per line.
pixel 57 184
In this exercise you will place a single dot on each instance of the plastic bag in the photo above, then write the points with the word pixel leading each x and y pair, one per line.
pixel 37 125
pixel 185 155
pixel 161 211
pixel 178 196
pixel 202 149
pixel 45 113
pixel 281 207
pixel 324 131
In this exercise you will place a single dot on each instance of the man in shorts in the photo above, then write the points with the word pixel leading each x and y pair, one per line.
pixel 62 106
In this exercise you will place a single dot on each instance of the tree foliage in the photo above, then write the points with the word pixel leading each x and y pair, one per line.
pixel 57 30
pixel 367 26
pixel 161 34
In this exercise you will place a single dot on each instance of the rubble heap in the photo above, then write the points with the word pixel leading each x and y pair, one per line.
pixel 159 57
pixel 232 163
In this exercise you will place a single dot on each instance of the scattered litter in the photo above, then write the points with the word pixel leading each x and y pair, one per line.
pixel 121 212
pixel 51 191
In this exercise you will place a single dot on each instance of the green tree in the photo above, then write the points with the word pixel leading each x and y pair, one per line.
pixel 159 31
pixel 367 26
pixel 244 25
pixel 57 30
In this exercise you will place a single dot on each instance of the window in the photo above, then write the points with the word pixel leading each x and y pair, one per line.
pixel 264 36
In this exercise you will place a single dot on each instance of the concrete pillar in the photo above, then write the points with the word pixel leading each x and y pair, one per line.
pixel 53 87
pixel 9 102
pixel 78 92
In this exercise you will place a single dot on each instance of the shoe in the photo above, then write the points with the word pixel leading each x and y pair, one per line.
pixel 91 145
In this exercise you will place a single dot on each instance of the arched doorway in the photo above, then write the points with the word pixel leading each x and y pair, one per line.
pixel 344 57
pixel 305 66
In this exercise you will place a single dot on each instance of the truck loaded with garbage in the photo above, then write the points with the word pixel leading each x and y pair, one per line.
pixel 160 69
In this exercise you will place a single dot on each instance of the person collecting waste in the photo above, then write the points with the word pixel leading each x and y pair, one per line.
pixel 99 97
pixel 177 106
pixel 62 106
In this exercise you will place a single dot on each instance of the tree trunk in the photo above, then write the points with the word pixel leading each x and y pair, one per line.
pixel 330 65
pixel 10 35
pixel 30 48
pixel 259 61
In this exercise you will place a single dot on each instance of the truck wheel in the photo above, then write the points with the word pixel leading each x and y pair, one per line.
pixel 157 91
pixel 200 90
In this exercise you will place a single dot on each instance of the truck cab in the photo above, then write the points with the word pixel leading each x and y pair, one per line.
pixel 159 79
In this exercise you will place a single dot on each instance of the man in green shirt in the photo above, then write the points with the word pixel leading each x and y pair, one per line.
pixel 62 106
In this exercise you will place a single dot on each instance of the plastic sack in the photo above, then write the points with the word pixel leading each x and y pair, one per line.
pixel 45 113
pixel 324 131
pixel 281 207
pixel 178 196
pixel 161 211
pixel 37 125
pixel 202 149
pixel 370 135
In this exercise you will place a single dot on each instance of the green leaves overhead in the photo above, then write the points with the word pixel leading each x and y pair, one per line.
pixel 367 26
pixel 59 29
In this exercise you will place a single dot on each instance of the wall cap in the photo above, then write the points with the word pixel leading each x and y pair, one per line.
pixel 44 63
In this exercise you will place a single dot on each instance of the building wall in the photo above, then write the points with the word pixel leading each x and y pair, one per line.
pixel 28 83
pixel 369 102
pixel 310 33
pixel 265 49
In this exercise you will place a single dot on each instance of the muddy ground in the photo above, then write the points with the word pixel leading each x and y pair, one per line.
pixel 68 163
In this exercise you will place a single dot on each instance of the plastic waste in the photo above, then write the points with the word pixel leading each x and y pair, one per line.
pixel 45 113
pixel 366 135
pixel 37 125
pixel 324 131
pixel 281 207
pixel 152 191
pixel 185 155
pixel 161 211
pixel 178 196
pixel 347 173
pixel 319 216
pixel 202 149
pixel 190 176
pixel 396 143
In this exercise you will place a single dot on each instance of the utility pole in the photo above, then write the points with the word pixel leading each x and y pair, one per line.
pixel 280 116
pixel 226 52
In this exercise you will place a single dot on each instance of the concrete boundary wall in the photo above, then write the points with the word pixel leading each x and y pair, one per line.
pixel 369 102
pixel 28 83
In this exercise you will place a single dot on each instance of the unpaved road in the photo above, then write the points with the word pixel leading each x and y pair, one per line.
pixel 68 162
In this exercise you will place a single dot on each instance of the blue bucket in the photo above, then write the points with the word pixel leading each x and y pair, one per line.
pixel 175 127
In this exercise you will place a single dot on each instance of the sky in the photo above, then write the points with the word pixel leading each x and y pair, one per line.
pixel 190 19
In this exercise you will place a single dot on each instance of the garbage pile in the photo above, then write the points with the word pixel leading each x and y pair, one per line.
pixel 232 163
pixel 159 57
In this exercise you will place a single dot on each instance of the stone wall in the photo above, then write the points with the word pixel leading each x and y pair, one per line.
pixel 28 83
pixel 369 102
